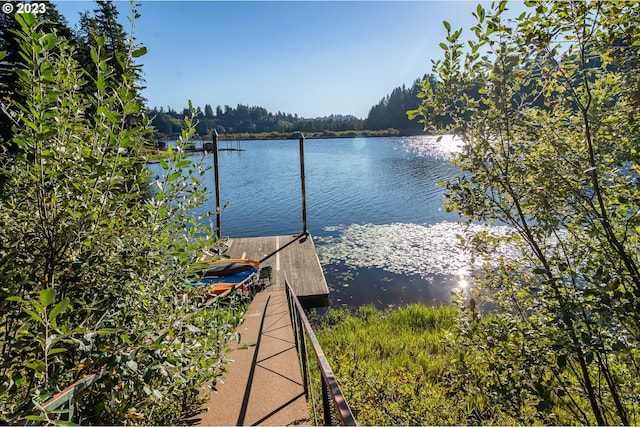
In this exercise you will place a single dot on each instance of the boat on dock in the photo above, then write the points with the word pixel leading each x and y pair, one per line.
pixel 228 267
pixel 223 275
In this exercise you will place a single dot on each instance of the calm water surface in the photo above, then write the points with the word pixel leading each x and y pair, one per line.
pixel 373 207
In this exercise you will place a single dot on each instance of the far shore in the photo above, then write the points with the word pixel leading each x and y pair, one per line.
pixel 247 136
pixel 154 155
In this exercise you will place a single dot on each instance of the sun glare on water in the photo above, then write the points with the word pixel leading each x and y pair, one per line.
pixel 403 248
pixel 442 146
pixel 463 280
pixel 451 143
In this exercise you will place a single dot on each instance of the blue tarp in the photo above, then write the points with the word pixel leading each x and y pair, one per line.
pixel 231 278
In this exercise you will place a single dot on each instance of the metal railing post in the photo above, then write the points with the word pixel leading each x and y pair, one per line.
pixel 326 406
pixel 72 408
pixel 292 315
pixel 305 367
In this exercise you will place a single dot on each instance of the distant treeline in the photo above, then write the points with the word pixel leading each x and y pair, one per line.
pixel 243 136
pixel 389 115
pixel 249 119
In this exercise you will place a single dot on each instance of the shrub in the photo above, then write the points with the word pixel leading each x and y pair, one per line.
pixel 93 260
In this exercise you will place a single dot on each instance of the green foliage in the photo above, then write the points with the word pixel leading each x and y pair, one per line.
pixel 50 21
pixel 547 105
pixel 387 363
pixel 93 260
pixel 394 366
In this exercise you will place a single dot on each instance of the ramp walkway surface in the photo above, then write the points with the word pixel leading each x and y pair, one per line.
pixel 263 385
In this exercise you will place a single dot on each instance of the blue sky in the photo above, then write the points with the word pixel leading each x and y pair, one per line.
pixel 311 58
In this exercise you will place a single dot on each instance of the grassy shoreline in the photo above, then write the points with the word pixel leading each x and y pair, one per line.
pixel 399 366
pixel 390 363
pixel 246 136
pixel 426 365
pixel 152 155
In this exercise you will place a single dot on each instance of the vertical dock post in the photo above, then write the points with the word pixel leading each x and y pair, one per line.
pixel 216 177
pixel 304 193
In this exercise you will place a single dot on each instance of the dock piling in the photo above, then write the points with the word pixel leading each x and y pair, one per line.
pixel 302 181
pixel 214 137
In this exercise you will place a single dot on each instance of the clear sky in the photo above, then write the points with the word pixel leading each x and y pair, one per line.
pixel 311 58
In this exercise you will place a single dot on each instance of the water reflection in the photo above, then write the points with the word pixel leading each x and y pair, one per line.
pixel 354 287
pixel 391 263
pixel 463 285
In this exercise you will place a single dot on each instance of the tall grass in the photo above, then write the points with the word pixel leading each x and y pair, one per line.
pixel 394 366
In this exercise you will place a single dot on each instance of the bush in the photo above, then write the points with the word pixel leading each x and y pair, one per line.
pixel 547 108
pixel 93 260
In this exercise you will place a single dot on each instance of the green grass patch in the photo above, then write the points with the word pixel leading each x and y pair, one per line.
pixel 152 155
pixel 421 365
pixel 394 366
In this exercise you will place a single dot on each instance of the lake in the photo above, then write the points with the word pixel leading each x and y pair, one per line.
pixel 374 209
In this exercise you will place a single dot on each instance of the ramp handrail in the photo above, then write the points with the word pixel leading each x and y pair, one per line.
pixel 330 387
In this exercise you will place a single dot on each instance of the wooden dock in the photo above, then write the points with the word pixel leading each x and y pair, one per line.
pixel 293 255
pixel 264 385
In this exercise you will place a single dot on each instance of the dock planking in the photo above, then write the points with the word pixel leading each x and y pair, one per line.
pixel 293 255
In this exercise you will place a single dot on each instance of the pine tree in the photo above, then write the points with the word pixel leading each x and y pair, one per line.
pixel 107 25
pixel 208 111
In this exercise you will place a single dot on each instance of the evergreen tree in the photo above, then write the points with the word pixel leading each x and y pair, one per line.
pixel 106 18
pixel 208 111
pixel 8 76
pixel 390 112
